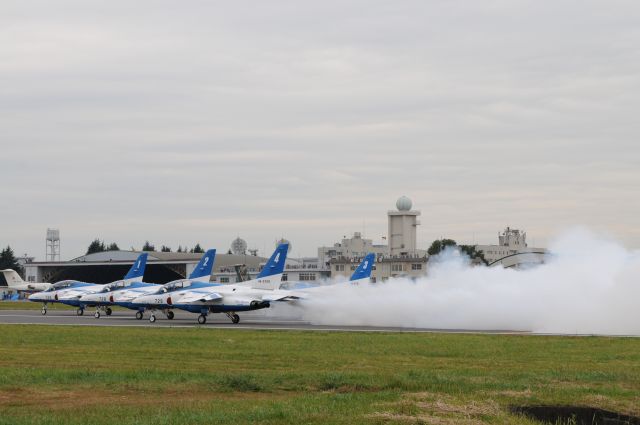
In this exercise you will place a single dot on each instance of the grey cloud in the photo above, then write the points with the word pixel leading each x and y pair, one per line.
pixel 178 123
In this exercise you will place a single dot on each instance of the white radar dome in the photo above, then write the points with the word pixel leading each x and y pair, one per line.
pixel 404 204
pixel 239 246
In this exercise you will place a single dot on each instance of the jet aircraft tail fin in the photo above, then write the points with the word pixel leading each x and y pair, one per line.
pixel 275 265
pixel 12 277
pixel 137 270
pixel 271 274
pixel 363 272
pixel 202 272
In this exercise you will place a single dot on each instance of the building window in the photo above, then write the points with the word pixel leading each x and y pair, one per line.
pixel 416 266
pixel 306 277
pixel 285 277
pixel 224 280
pixel 373 279
pixel 339 267
pixel 396 267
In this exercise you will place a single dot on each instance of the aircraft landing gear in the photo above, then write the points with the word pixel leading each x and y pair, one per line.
pixel 202 319
pixel 152 318
pixel 139 315
pixel 170 315
pixel 106 311
pixel 44 310
pixel 235 319
pixel 80 311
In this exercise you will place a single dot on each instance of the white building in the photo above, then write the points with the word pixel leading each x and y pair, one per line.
pixel 354 247
pixel 403 228
pixel 510 242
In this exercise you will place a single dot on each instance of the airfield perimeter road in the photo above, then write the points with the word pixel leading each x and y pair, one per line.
pixel 249 320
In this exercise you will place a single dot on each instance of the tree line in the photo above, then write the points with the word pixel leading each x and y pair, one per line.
pixel 98 245
pixel 440 245
pixel 8 260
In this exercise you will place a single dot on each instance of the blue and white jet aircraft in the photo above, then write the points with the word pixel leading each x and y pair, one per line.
pixel 69 292
pixel 246 296
pixel 228 299
pixel 155 298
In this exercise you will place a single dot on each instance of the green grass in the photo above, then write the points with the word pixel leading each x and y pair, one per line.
pixel 29 305
pixel 102 375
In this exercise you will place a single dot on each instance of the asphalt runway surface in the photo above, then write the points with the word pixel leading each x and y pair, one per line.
pixel 266 319
pixel 255 320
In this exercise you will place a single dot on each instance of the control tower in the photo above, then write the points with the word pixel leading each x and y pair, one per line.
pixel 403 228
pixel 52 250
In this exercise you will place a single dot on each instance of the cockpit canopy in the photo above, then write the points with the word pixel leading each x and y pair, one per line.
pixel 113 286
pixel 63 284
pixel 176 285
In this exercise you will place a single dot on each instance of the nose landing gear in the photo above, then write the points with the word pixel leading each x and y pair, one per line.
pixel 106 311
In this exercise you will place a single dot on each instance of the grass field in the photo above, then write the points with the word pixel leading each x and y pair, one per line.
pixel 102 375
pixel 28 305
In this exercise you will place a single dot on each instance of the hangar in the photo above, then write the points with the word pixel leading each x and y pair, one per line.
pixel 162 267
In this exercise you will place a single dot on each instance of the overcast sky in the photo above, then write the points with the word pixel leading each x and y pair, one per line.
pixel 183 122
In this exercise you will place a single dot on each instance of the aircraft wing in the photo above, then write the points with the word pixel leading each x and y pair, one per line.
pixel 283 296
pixel 199 296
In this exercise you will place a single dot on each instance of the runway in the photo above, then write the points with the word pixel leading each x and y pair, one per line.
pixel 256 320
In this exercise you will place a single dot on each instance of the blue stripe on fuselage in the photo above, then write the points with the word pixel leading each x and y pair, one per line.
pixel 222 308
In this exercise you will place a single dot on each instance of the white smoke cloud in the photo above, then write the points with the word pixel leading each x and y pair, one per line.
pixel 591 285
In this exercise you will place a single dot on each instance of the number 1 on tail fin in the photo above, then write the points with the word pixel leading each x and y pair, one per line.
pixel 137 270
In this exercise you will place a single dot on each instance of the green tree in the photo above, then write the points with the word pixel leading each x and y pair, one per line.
pixel 96 246
pixel 439 245
pixel 113 247
pixel 197 249
pixel 473 253
pixel 165 248
pixel 148 246
pixel 179 248
pixel 9 261
pixel 469 250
